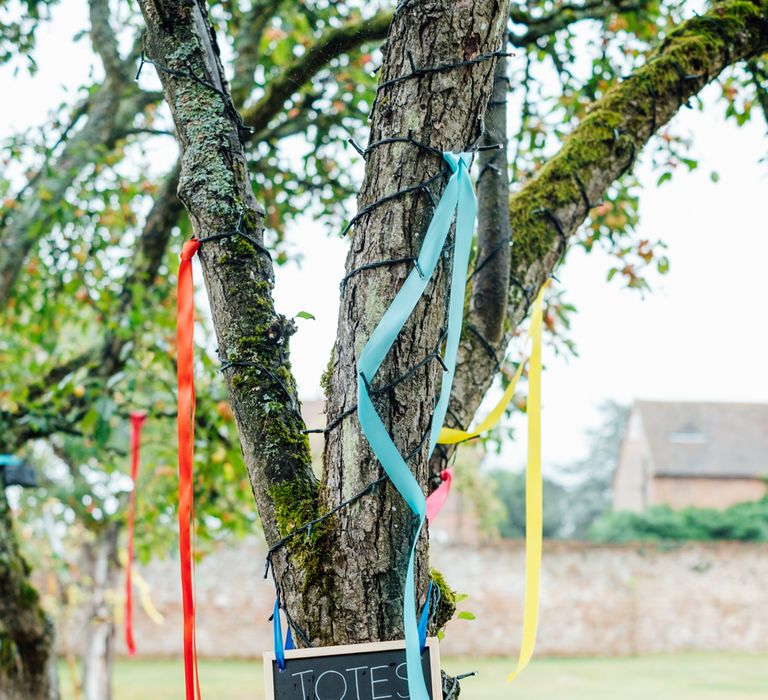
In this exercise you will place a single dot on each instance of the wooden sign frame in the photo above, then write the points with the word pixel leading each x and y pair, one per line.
pixel 432 646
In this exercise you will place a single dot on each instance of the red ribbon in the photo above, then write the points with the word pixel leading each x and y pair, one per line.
pixel 436 500
pixel 185 327
pixel 137 420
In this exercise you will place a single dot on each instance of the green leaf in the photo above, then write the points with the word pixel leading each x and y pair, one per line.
pixel 690 163
pixel 305 314
pixel 466 615
pixel 664 178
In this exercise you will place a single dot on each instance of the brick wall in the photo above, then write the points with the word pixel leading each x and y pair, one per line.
pixel 682 492
pixel 596 600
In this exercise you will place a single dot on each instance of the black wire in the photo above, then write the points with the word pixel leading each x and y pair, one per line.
pixel 402 139
pixel 421 187
pixel 617 134
pixel 435 354
pixel 583 193
pixel 494 251
pixel 486 345
pixel 683 79
pixel 554 219
pixel 227 364
pixel 419 72
pixel 237 232
pixel 373 266
pixel 311 524
pixel 190 75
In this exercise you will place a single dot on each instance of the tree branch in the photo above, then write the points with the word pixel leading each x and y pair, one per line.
pixel 105 42
pixel 332 44
pixel 105 361
pixel 110 112
pixel 566 15
pixel 247 44
pixel 488 301
pixel 215 188
pixel 550 207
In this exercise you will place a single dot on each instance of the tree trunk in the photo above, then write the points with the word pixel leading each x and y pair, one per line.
pixel 443 110
pixel 101 563
pixel 27 659
pixel 342 581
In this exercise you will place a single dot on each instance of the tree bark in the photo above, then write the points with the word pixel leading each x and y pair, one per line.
pixel 27 659
pixel 103 567
pixel 443 110
pixel 215 188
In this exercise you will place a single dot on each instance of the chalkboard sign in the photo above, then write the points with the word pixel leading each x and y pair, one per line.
pixel 352 672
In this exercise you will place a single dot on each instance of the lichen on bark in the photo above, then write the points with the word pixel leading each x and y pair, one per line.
pixel 27 659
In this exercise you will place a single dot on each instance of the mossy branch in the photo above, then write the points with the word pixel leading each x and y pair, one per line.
pixel 597 152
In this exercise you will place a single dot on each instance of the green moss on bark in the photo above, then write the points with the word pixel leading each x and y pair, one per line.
pixel 297 502
pixel 621 122
pixel 446 609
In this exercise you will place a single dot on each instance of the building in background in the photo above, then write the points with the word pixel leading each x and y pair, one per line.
pixel 680 454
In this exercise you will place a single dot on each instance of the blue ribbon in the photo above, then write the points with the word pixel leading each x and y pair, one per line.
pixel 458 197
pixel 424 620
pixel 277 632
pixel 278 636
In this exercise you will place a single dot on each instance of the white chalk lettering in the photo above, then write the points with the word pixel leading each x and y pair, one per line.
pixel 357 683
pixel 301 676
pixel 402 678
pixel 375 682
pixel 320 678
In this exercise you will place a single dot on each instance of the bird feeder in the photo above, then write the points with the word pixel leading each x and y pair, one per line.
pixel 15 471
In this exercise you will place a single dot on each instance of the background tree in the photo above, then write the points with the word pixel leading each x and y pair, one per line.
pixel 87 217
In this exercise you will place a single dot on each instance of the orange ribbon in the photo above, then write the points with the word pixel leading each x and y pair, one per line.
pixel 185 328
pixel 137 420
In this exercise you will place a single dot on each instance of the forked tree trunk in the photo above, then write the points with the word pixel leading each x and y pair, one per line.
pixel 27 659
pixel 343 581
pixel 98 655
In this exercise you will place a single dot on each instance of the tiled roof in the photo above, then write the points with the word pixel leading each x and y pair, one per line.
pixel 706 438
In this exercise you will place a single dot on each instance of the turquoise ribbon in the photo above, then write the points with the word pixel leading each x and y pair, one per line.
pixel 277 634
pixel 458 198
pixel 424 620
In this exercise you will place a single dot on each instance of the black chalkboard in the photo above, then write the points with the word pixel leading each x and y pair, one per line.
pixel 353 672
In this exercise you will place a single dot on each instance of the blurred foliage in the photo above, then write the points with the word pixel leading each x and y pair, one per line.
pixel 19 20
pixel 590 480
pixel 744 522
pixel 577 495
pixel 510 490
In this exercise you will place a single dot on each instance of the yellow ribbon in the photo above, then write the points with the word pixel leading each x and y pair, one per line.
pixel 145 596
pixel 533 480
pixel 534 516
pixel 451 436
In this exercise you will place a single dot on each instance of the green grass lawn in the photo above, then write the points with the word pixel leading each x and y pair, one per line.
pixel 674 677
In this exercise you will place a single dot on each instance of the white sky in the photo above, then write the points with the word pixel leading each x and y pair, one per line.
pixel 701 334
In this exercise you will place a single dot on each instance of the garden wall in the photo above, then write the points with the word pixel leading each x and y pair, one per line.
pixel 596 600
